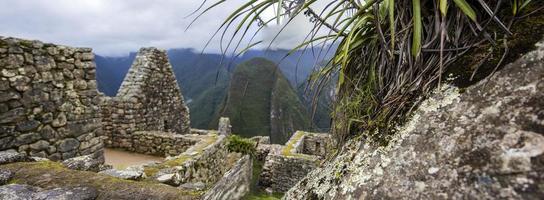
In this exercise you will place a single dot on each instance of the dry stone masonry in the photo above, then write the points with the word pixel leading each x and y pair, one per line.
pixel 234 184
pixel 149 99
pixel 287 165
pixel 48 100
pixel 161 143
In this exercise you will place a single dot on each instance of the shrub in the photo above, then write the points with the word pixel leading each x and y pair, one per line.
pixel 238 144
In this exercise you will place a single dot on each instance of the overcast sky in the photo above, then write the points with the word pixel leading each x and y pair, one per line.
pixel 116 27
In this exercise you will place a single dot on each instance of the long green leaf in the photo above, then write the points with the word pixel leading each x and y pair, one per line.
pixel 392 23
pixel 416 38
pixel 465 7
pixel 444 7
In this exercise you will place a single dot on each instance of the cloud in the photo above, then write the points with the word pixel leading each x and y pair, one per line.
pixel 117 27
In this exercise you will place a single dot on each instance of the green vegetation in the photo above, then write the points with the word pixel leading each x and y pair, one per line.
pixel 238 144
pixel 390 52
pixel 258 89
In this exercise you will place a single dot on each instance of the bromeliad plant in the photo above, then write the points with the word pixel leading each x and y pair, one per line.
pixel 390 52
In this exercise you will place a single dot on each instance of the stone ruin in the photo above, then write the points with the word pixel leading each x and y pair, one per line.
pixel 149 99
pixel 50 110
pixel 285 165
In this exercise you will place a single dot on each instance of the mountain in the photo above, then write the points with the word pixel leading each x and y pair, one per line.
pixel 296 67
pixel 110 72
pixel 261 101
pixel 204 79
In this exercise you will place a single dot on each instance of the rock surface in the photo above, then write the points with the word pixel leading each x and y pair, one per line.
pixel 53 179
pixel 76 193
pixel 485 143
pixel 26 192
pixel 85 163
pixel 11 156
pixel 131 173
pixel 5 176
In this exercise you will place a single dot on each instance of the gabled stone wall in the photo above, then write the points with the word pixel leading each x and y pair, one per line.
pixel 149 99
pixel 48 100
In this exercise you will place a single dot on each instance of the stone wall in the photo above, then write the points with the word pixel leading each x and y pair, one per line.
pixel 316 144
pixel 235 183
pixel 48 100
pixel 161 143
pixel 205 162
pixel 281 172
pixel 283 168
pixel 149 99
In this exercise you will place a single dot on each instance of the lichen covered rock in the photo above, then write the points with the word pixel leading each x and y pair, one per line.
pixel 484 143
pixel 11 156
pixel 85 163
pixel 26 192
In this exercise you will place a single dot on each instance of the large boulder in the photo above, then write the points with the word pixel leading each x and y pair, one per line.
pixel 17 192
pixel 85 163
pixel 76 193
pixel 130 173
pixel 26 192
pixel 484 143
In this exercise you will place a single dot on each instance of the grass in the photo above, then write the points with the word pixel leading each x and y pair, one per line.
pixel 238 144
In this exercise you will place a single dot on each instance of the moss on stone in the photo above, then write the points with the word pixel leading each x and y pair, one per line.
pixel 287 150
pixel 192 152
pixel 25 43
pixel 48 174
pixel 3 44
pixel 526 32
pixel 290 145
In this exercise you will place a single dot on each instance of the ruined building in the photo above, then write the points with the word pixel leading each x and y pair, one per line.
pixel 149 100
